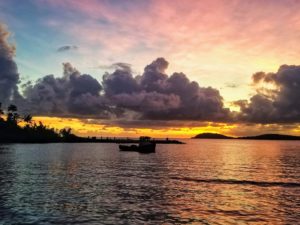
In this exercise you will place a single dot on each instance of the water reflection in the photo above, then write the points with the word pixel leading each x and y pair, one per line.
pixel 6 179
pixel 209 182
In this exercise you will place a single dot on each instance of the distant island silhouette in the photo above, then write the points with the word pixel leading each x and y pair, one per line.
pixel 258 137
pixel 31 132
pixel 212 136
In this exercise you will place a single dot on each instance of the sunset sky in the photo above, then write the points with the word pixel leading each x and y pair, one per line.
pixel 157 67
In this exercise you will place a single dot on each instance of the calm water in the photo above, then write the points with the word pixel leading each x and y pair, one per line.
pixel 202 182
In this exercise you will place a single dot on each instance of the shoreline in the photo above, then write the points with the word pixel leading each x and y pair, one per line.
pixel 91 140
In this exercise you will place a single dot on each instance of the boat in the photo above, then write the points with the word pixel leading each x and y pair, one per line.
pixel 126 148
pixel 145 146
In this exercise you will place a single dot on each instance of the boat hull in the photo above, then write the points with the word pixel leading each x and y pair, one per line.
pixel 141 148
pixel 126 148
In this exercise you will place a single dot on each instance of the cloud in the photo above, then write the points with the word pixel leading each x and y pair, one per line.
pixel 231 85
pixel 277 98
pixel 73 94
pixel 67 48
pixel 116 66
pixel 155 95
pixel 152 96
pixel 215 40
pixel 9 76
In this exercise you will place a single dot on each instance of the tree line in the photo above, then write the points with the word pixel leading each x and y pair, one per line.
pixel 15 127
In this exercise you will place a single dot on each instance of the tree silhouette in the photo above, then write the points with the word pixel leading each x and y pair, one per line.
pixel 27 119
pixel 12 115
pixel 65 132
pixel 1 112
pixel 11 131
pixel 12 108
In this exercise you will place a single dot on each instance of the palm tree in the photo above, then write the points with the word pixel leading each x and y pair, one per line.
pixel 65 132
pixel 1 113
pixel 27 119
pixel 12 115
pixel 12 108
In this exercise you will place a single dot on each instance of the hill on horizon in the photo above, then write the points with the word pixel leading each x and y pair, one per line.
pixel 211 136
pixel 257 137
pixel 272 137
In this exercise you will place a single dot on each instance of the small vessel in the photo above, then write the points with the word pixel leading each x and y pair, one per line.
pixel 130 148
pixel 145 146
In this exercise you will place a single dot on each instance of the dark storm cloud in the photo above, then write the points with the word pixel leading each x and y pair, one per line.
pixel 9 76
pixel 155 95
pixel 278 104
pixel 120 82
pixel 72 94
pixel 151 96
pixel 67 48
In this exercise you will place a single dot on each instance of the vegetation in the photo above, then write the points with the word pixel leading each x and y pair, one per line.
pixel 11 131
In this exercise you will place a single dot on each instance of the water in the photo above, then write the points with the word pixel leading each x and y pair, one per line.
pixel 202 182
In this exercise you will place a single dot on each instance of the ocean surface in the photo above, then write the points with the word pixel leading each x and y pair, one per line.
pixel 201 182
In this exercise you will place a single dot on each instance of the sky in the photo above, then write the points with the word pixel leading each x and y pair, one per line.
pixel 164 68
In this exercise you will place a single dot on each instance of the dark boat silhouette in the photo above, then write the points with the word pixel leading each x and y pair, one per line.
pixel 145 146
pixel 128 148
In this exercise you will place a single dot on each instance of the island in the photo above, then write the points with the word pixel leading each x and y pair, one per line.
pixel 212 136
pixel 258 137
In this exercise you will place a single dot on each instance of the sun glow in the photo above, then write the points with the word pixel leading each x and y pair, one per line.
pixel 86 128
